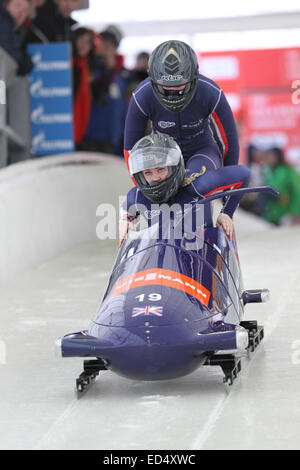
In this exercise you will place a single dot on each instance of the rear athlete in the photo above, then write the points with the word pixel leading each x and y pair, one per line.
pixel 187 106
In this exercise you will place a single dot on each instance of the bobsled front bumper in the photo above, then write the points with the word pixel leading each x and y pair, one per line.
pixel 154 360
pixel 81 344
pixel 237 338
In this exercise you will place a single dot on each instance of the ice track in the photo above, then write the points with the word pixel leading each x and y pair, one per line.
pixel 39 408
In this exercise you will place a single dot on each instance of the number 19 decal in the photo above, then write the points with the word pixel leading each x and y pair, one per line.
pixel 153 297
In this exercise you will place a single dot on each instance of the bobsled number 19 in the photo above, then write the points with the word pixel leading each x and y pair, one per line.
pixel 194 312
pixel 151 297
pixel 163 277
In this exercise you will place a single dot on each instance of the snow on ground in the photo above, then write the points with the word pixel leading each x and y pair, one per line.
pixel 39 408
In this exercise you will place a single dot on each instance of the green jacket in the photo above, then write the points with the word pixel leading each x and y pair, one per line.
pixel 286 180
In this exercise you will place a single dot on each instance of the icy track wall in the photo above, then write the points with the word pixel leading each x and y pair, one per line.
pixel 48 205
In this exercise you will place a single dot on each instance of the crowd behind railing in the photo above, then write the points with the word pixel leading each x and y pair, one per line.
pixel 102 85
pixel 102 88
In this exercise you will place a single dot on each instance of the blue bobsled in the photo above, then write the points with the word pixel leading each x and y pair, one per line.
pixel 172 304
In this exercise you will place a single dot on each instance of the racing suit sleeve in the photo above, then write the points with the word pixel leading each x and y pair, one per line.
pixel 128 210
pixel 135 125
pixel 224 131
pixel 128 213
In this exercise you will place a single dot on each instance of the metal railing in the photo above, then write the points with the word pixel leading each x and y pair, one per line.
pixel 15 127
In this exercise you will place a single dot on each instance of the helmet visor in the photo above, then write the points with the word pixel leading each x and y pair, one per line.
pixel 144 159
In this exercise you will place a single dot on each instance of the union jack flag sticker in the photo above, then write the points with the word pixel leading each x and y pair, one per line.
pixel 158 311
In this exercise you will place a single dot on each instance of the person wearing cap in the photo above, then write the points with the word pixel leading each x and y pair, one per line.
pixel 53 22
pixel 157 165
pixel 13 13
pixel 109 84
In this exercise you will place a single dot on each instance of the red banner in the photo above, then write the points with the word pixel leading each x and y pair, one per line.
pixel 263 90
pixel 163 277
pixel 273 120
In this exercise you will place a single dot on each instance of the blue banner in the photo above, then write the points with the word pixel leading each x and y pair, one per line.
pixel 50 85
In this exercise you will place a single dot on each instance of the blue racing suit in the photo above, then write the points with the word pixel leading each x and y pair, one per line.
pixel 196 189
pixel 205 128
pixel 137 205
pixel 205 132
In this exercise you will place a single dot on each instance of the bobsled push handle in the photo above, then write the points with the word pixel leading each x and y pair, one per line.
pixel 255 296
pixel 235 192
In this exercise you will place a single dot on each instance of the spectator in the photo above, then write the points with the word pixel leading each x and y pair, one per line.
pixel 109 105
pixel 138 73
pixel 34 5
pixel 286 209
pixel 253 202
pixel 53 21
pixel 116 32
pixel 82 58
pixel 12 15
pixel 29 32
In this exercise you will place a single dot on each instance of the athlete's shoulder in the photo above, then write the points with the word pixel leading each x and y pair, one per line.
pixel 144 88
pixel 208 93
pixel 207 83
pixel 132 196
pixel 135 196
pixel 142 97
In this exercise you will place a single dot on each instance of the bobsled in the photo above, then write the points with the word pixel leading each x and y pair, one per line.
pixel 172 304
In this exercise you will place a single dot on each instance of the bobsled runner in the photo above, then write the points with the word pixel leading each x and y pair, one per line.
pixel 172 304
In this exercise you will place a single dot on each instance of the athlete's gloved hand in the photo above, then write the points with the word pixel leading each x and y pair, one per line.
pixel 226 223
pixel 124 227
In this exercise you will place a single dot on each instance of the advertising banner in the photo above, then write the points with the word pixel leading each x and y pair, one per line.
pixel 50 85
pixel 269 68
pixel 263 90
pixel 224 69
pixel 273 120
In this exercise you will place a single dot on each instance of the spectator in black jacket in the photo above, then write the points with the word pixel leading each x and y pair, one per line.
pixel 54 22
pixel 140 71
pixel 28 28
pixel 12 15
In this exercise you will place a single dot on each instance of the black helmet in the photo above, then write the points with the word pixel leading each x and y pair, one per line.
pixel 152 151
pixel 173 64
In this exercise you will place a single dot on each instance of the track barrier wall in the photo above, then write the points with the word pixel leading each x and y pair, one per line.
pixel 48 205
